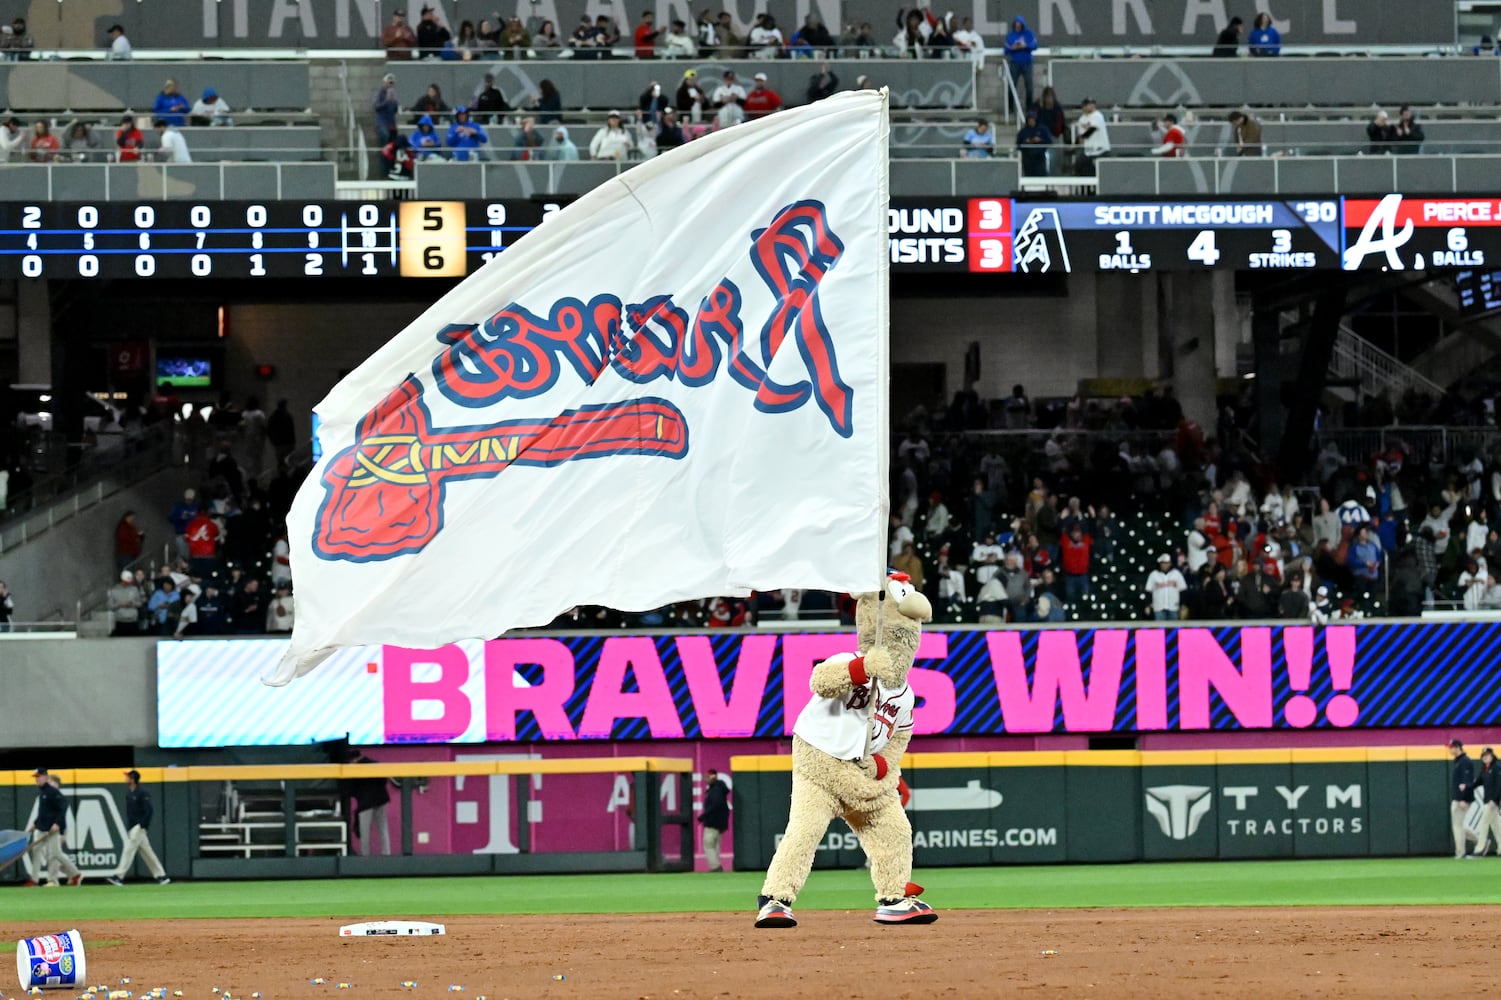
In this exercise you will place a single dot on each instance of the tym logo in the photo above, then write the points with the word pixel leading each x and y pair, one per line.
pixel 96 832
pixel 1179 809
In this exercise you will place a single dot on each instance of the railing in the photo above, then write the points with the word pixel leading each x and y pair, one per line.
pixel 100 473
pixel 1377 371
pixel 1447 443
pixel 48 629
pixel 97 598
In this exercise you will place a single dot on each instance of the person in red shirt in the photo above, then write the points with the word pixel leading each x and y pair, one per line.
pixel 127 540
pixel 203 545
pixel 128 140
pixel 646 36
pixel 44 144
pixel 762 100
pixel 1075 559
pixel 1173 139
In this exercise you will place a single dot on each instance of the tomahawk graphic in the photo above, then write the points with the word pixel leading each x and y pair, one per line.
pixel 384 494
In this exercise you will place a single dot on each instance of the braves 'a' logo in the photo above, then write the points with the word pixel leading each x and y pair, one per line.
pixel 383 495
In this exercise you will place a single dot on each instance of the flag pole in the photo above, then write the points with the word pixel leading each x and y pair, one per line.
pixel 883 393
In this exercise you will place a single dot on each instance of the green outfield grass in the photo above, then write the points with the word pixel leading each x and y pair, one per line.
pixel 1362 882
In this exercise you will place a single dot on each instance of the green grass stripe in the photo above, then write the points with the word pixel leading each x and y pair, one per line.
pixel 1355 882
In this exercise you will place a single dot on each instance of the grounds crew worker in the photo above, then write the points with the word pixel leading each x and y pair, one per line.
pixel 138 814
pixel 52 823
pixel 1489 778
pixel 1461 794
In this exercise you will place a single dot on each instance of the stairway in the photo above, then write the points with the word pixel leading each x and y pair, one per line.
pixel 1360 363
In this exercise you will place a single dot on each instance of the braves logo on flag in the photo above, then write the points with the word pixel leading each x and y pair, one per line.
pixel 384 494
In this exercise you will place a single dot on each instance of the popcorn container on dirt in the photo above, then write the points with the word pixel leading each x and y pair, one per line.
pixel 50 962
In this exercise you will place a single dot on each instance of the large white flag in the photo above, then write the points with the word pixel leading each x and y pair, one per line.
pixel 674 388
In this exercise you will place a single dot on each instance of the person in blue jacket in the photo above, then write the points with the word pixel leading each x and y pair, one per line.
pixel 171 106
pixel 426 142
pixel 1265 39
pixel 464 135
pixel 1020 44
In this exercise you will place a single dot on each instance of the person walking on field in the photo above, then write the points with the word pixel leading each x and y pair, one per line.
pixel 138 813
pixel 715 817
pixel 1461 794
pixel 371 797
pixel 52 823
pixel 1488 778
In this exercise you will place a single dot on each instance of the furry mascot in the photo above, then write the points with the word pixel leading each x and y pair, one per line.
pixel 847 748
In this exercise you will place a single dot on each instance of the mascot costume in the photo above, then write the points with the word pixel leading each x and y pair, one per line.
pixel 847 748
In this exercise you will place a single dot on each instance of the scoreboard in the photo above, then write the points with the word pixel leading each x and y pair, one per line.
pixel 978 235
pixel 273 239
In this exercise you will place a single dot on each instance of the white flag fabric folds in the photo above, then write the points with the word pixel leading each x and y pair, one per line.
pixel 674 388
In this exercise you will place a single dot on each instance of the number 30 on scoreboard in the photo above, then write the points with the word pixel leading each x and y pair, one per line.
pixel 433 239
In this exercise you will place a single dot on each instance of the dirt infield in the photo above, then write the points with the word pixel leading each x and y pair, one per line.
pixel 1394 952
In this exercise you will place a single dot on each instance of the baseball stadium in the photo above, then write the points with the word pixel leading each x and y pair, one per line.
pixel 803 500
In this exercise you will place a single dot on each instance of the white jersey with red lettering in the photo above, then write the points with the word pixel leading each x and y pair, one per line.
pixel 839 726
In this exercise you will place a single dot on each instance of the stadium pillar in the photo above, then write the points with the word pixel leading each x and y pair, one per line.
pixel 1190 330
pixel 1266 340
pixel 1124 307
pixel 34 334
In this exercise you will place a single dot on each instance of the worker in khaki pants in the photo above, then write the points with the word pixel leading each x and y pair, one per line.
pixel 1488 779
pixel 715 817
pixel 1461 794
pixel 138 813
pixel 51 824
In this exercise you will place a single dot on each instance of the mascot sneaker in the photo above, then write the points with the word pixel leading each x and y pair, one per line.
pixel 910 910
pixel 775 913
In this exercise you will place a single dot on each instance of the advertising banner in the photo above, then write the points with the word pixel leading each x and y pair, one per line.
pixel 742 685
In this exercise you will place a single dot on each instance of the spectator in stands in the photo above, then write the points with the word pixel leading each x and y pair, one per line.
pixel 1293 604
pixel 1228 42
pixel 1091 133
pixel 431 102
pixel 210 610
pixel 385 105
pixel 689 99
pixel 1033 140
pixel 670 131
pixel 762 100
pixel 1174 142
pixel 651 104
pixel 20 43
pixel 467 45
pixel 1407 133
pixel 173 147
pixel 431 34
pixel 203 544
pixel 465 135
pixel 645 36
pixel 280 614
pixel 910 563
pixel 163 606
pixel 210 109
pixel 515 39
pixel 766 39
pixel 979 142
pixel 968 42
pixel 81 146
pixel 489 103
pixel 729 91
pixel 561 148
pixel 1020 44
pixel 1364 559
pixel 7 607
pixel 529 142
pixel 822 84
pixel 13 138
pixel 913 29
pixel 547 42
pixel 281 432
pixel 1381 134
pixel 398 159
pixel 44 145
pixel 125 601
pixel 398 38
pixel 548 103
pixel 1075 563
pixel 1486 48
pixel 1265 39
pixel 612 141
pixel 425 141
pixel 608 32
pixel 1245 130
pixel 1165 586
pixel 1050 114
pixel 171 106
pixel 249 612
pixel 677 43
pixel 187 613
pixel 119 45
pixel 128 540
pixel 585 40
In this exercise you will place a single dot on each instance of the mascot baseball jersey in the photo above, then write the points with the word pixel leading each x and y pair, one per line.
pixel 837 726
